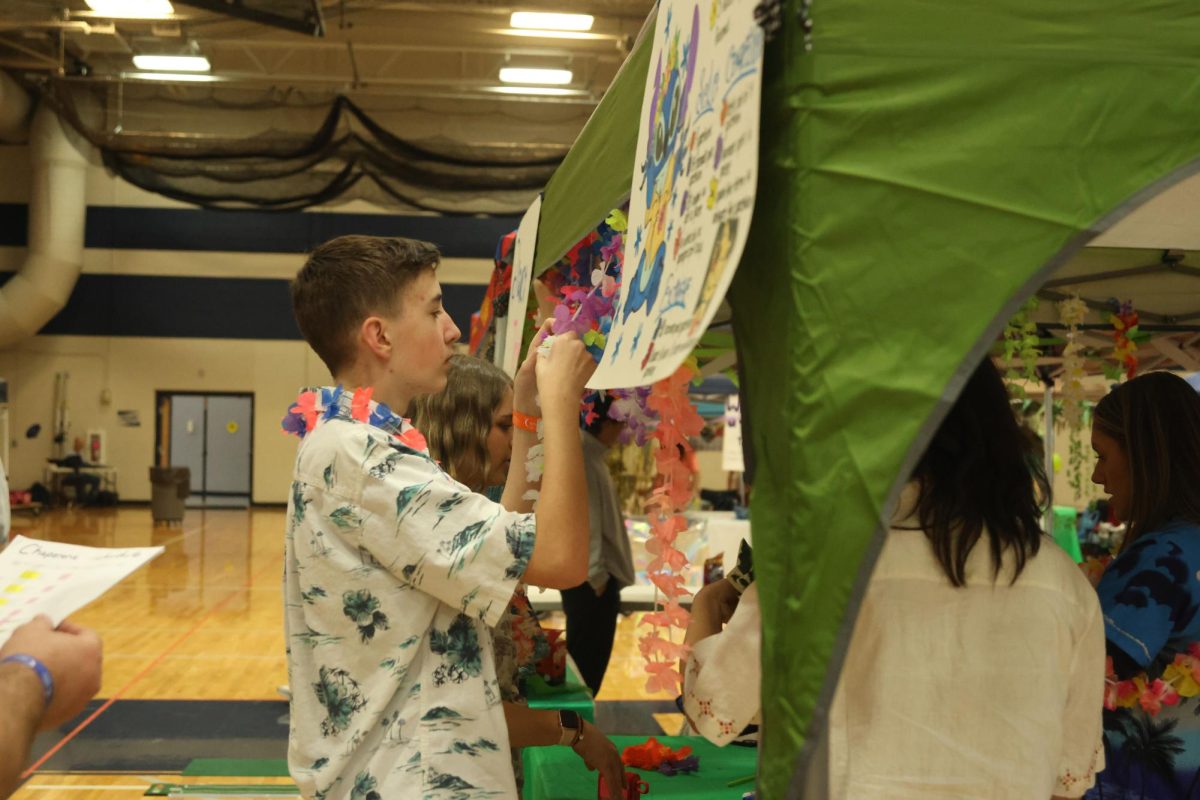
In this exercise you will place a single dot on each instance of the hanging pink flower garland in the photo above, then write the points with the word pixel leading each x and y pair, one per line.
pixel 677 421
pixel 587 283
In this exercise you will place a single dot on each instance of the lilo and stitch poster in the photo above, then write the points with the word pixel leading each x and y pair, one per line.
pixel 693 186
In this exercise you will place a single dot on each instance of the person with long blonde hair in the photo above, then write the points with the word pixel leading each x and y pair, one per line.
pixel 469 429
pixel 469 425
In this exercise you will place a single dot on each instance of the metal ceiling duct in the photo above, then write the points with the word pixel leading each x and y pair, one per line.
pixel 57 214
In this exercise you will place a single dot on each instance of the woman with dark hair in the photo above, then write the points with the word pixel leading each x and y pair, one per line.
pixel 1146 434
pixel 973 668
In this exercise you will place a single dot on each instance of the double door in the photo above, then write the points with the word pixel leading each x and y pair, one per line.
pixel 212 435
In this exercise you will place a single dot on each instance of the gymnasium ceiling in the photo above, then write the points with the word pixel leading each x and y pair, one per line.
pixel 388 57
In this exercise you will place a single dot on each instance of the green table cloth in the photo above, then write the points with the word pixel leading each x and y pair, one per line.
pixel 572 694
pixel 556 773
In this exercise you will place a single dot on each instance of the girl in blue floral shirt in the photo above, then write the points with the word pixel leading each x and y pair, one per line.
pixel 1146 434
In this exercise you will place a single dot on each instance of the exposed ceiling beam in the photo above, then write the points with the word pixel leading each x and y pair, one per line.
pixel 308 20
pixel 1169 348
pixel 555 50
pixel 1080 280
pixel 42 59
pixel 1097 305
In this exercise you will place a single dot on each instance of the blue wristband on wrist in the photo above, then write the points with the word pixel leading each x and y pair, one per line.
pixel 39 668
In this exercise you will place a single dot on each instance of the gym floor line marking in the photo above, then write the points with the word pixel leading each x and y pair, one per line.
pixel 212 612
pixel 84 787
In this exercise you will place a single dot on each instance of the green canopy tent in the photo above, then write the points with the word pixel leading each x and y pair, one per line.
pixel 925 165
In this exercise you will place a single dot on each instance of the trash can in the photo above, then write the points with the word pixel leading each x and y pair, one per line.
pixel 169 487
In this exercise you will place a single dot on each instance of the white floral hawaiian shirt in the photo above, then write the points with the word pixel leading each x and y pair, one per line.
pixel 394 574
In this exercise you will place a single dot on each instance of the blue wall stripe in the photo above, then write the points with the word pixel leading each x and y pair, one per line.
pixel 14 223
pixel 131 228
pixel 211 308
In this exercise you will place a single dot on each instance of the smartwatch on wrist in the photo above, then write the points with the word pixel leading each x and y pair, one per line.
pixel 571 726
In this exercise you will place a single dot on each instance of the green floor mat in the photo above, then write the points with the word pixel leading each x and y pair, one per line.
pixel 237 768
pixel 220 790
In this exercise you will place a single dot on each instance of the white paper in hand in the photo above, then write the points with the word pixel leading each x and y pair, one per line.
pixel 58 579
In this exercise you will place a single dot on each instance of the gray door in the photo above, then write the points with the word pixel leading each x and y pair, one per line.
pixel 187 436
pixel 227 459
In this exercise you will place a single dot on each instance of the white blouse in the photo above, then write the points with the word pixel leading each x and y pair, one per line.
pixel 987 691
pixel 722 677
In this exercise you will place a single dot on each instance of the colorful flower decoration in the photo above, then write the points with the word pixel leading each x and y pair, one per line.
pixel 1125 326
pixel 1180 680
pixel 482 341
pixel 1071 313
pixel 587 284
pixel 587 280
pixel 654 755
pixel 328 403
pixel 631 406
pixel 677 421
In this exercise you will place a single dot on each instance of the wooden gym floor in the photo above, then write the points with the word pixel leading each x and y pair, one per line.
pixel 194 658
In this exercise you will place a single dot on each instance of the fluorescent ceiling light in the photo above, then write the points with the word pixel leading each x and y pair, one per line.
pixel 132 9
pixel 172 63
pixel 543 90
pixel 596 37
pixel 537 20
pixel 172 76
pixel 536 76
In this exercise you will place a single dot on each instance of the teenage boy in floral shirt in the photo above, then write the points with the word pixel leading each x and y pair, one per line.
pixel 395 572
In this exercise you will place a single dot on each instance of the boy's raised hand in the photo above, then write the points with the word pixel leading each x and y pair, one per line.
pixel 563 373
pixel 525 382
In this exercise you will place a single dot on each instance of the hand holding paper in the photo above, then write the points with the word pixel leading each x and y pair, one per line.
pixel 56 579
pixel 72 655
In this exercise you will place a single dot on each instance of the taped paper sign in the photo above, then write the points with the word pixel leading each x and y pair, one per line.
pixel 522 278
pixel 732 458
pixel 693 194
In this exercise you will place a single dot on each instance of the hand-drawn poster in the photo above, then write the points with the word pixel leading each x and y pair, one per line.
pixel 522 278
pixel 693 188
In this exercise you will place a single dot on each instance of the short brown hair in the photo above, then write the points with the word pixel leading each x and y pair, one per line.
pixel 348 279
pixel 1155 418
pixel 457 420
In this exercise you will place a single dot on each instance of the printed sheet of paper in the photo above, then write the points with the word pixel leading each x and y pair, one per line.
pixel 58 579
pixel 693 190
pixel 732 457
pixel 522 278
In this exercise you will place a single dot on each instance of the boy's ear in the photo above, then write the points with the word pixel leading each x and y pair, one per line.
pixel 374 334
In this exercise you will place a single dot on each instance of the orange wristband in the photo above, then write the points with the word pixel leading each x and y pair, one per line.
pixel 525 422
